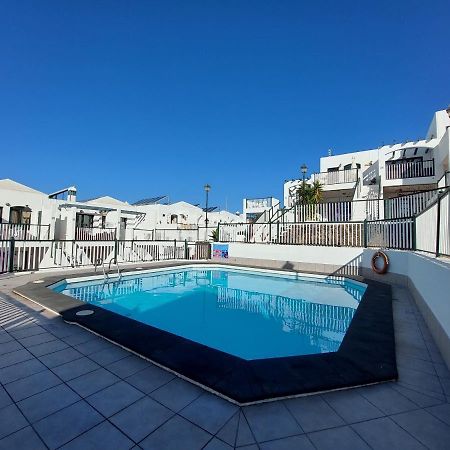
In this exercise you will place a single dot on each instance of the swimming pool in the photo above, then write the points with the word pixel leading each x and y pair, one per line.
pixel 249 313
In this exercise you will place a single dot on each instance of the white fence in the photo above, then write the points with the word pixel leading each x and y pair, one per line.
pixel 409 169
pixel 409 205
pixel 24 231
pixel 95 234
pixel 35 255
pixel 433 227
pixel 336 176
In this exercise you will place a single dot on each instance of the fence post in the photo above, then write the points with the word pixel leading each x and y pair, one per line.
pixel 278 232
pixel 174 249
pixel 438 225
pixel 414 231
pixel 12 244
pixel 186 250
pixel 116 248
pixel 365 233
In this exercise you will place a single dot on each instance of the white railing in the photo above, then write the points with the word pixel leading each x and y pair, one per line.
pixel 21 255
pixel 336 176
pixel 396 234
pixel 409 169
pixel 324 212
pixel 444 225
pixel 408 205
pixel 24 231
pixel 322 234
pixel 95 234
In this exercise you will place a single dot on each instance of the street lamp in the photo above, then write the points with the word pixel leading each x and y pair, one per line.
pixel 207 188
pixel 304 169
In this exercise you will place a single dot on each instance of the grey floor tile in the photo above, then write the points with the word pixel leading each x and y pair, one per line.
pixel 420 379
pixel 128 366
pixel 61 357
pixel 15 357
pixel 61 329
pixel 78 337
pixel 216 444
pixel 418 398
pixel 60 428
pixel 384 434
pixel 108 355
pixel 102 436
pixel 228 432
pixel 149 379
pixel 426 428
pixel 442 412
pixel 48 347
pixel 45 403
pixel 11 420
pixel 114 398
pixel 176 434
pixel 21 370
pixel 24 439
pixel 270 421
pixel 176 394
pixel 289 443
pixel 209 412
pixel 5 337
pixel 387 399
pixel 351 406
pixel 141 418
pixel 92 382
pixel 9 347
pixel 26 387
pixel 337 439
pixel 37 339
pixel 93 346
pixel 313 413
pixel 244 434
pixel 26 331
pixel 5 399
pixel 74 369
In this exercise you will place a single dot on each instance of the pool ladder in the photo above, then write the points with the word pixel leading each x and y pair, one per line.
pixel 106 273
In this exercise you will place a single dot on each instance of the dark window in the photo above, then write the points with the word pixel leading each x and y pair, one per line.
pixel 85 220
pixel 333 169
pixel 20 215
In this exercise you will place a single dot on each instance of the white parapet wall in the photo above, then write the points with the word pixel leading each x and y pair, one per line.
pixel 427 278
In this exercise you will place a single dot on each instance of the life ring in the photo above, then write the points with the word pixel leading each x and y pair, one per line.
pixel 384 267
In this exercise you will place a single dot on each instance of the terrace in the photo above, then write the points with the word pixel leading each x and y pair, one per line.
pixel 53 373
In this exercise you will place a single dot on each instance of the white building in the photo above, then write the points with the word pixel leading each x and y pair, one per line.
pixel 26 213
pixel 258 208
pixel 385 172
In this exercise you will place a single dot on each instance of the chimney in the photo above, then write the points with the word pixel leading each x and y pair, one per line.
pixel 72 194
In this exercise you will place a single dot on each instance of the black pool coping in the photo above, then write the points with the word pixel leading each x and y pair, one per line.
pixel 365 356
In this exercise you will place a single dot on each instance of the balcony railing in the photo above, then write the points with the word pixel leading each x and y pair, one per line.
pixel 409 169
pixel 95 234
pixel 336 176
pixel 259 202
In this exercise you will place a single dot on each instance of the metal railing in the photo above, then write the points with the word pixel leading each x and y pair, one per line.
pixel 95 234
pixel 409 169
pixel 396 234
pixel 24 231
pixel 24 255
pixel 409 205
pixel 433 227
pixel 336 176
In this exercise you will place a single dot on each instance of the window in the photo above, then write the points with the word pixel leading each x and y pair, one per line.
pixel 333 169
pixel 20 215
pixel 84 220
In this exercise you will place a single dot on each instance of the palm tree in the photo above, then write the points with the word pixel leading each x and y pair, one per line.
pixel 309 194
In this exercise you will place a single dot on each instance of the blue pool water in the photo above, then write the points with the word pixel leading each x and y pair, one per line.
pixel 249 314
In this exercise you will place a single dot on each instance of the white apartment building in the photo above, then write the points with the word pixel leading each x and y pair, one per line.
pixel 255 209
pixel 387 172
pixel 26 213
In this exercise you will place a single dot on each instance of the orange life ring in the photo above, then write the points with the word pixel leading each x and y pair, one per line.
pixel 384 267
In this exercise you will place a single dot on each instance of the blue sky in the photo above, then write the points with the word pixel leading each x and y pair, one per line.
pixel 140 98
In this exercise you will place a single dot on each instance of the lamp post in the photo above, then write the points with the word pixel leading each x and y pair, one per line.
pixel 207 188
pixel 304 169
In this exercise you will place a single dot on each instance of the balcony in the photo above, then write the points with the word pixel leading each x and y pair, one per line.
pixel 336 177
pixel 401 169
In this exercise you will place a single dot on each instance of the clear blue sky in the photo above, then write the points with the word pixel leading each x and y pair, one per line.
pixel 140 98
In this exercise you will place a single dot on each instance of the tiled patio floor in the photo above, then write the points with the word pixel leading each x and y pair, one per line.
pixel 63 387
